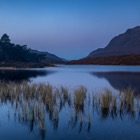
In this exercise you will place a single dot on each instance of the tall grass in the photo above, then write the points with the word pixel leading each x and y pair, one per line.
pixel 32 102
pixel 79 98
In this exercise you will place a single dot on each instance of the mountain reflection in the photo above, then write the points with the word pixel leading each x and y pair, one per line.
pixel 21 75
pixel 121 80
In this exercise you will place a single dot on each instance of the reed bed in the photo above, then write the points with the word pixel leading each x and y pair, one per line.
pixel 32 102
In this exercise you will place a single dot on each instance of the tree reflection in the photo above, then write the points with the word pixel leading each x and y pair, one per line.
pixel 21 75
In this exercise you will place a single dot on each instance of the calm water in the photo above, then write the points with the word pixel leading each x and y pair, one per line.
pixel 93 77
pixel 68 126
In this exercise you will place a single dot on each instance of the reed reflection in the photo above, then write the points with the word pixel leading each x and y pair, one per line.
pixel 34 103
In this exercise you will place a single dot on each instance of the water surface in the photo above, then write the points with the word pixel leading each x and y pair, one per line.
pixel 118 126
pixel 93 77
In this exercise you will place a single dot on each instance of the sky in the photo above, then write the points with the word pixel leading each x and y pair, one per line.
pixel 71 29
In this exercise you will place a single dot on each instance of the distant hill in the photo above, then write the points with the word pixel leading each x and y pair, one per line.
pixel 15 55
pixel 123 49
pixel 49 58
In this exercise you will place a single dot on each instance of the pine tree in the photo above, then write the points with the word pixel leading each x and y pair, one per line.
pixel 5 39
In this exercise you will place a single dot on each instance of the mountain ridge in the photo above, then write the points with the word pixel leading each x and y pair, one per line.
pixel 123 49
pixel 127 43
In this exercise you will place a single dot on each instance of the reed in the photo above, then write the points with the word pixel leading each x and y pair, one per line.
pixel 79 97
pixel 114 103
pixel 130 98
pixel 33 101
pixel 127 99
pixel 106 99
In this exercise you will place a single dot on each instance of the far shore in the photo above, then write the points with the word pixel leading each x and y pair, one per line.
pixel 24 67
pixel 8 68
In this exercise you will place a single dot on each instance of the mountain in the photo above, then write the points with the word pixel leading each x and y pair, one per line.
pixel 123 49
pixel 49 58
pixel 15 55
pixel 127 43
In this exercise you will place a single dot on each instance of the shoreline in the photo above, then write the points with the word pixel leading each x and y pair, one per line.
pixel 8 68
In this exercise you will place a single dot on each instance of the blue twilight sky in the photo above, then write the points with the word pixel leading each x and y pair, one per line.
pixel 68 28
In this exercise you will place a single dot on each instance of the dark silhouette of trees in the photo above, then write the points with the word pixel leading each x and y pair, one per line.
pixel 11 52
pixel 5 39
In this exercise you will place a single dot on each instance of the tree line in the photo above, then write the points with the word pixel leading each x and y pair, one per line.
pixel 15 52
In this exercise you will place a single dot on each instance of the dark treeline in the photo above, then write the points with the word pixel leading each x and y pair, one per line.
pixel 14 52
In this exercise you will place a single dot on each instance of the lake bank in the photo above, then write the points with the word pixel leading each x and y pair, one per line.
pixel 19 65
pixel 131 60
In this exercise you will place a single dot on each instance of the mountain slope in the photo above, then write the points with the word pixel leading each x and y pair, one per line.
pixel 123 49
pixel 127 43
pixel 109 60
pixel 49 58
